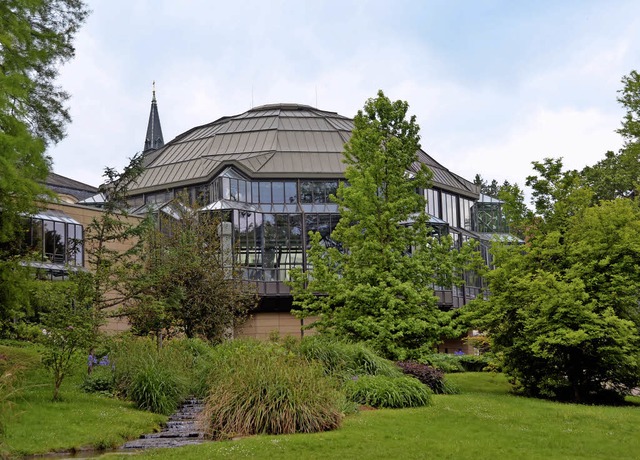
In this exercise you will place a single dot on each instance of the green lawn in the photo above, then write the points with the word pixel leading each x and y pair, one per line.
pixel 484 421
pixel 35 424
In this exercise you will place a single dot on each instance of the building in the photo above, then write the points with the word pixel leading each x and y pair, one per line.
pixel 270 172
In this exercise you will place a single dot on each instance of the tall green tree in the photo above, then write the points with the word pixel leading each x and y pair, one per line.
pixel 36 37
pixel 191 281
pixel 618 174
pixel 564 308
pixel 377 285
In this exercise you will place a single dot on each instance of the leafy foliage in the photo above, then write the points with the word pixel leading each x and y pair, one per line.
pixel 430 376
pixel 392 392
pixel 113 241
pixel 376 285
pixel 564 309
pixel 35 37
pixel 263 389
pixel 69 329
pixel 191 280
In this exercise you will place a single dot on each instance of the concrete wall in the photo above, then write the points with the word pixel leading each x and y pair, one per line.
pixel 85 215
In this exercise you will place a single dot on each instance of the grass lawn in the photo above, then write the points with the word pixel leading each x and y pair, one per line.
pixel 34 424
pixel 483 422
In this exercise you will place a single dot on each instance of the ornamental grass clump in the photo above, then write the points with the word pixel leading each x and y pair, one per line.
pixel 387 392
pixel 155 380
pixel 265 389
pixel 345 360
pixel 157 388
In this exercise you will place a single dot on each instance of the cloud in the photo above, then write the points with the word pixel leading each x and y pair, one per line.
pixel 580 137
pixel 492 105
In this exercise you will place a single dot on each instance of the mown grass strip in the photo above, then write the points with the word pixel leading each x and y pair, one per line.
pixel 483 422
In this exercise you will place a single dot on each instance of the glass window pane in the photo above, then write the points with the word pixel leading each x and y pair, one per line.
pixel 265 192
pixel 233 189
pixel 254 192
pixel 278 192
pixel 306 194
pixel 226 188
pixel 290 193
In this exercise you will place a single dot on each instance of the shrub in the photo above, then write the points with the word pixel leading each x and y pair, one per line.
pixel 101 380
pixel 474 363
pixel 383 391
pixel 344 359
pixel 430 376
pixel 264 389
pixel 445 362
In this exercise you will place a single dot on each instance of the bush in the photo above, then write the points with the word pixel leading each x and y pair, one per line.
pixel 474 363
pixel 383 391
pixel 445 362
pixel 264 389
pixel 101 380
pixel 344 359
pixel 430 376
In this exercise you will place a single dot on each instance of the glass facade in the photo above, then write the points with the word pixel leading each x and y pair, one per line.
pixel 454 209
pixel 488 217
pixel 271 221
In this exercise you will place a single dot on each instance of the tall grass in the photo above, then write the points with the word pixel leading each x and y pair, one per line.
pixel 264 389
pixel 158 380
pixel 391 392
pixel 346 360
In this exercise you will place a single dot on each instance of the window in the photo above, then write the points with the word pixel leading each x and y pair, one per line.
pixel 53 237
pixel 317 191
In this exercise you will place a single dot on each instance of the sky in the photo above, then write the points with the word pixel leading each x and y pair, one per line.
pixel 494 85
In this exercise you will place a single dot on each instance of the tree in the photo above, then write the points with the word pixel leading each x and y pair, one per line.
pixel 563 308
pixel 191 279
pixel 114 240
pixel 36 36
pixel 490 189
pixel 69 324
pixel 562 335
pixel 376 286
pixel 618 174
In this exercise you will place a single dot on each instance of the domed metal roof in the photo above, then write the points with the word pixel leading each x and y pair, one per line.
pixel 269 141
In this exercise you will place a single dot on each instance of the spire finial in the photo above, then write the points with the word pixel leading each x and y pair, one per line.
pixel 154 139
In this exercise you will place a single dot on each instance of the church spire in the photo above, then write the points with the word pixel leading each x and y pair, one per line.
pixel 153 140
